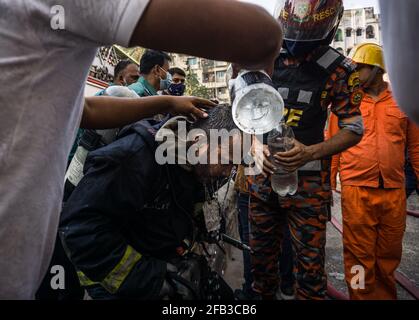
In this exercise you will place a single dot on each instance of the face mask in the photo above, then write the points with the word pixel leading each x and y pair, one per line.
pixel 301 48
pixel 177 89
pixel 165 83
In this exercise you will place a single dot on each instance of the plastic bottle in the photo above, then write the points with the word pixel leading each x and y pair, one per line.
pixel 280 139
pixel 257 107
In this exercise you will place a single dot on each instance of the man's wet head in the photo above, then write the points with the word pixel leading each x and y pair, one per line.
pixel 222 147
pixel 208 147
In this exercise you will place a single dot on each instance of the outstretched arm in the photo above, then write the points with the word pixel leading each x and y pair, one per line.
pixel 345 104
pixel 226 30
pixel 111 112
pixel 302 154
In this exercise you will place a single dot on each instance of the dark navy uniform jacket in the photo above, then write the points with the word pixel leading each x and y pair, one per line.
pixel 128 216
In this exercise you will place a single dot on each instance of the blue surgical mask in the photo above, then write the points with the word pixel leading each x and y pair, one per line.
pixel 165 83
pixel 177 89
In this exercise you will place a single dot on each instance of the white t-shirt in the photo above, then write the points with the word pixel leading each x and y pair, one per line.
pixel 42 77
pixel 401 45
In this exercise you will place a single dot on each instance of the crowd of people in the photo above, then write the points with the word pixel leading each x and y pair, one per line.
pixel 130 227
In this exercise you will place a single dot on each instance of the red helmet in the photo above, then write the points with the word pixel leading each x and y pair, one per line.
pixel 308 20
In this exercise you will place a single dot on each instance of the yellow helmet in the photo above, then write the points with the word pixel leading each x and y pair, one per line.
pixel 368 53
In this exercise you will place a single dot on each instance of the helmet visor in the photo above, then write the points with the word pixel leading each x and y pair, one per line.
pixel 308 20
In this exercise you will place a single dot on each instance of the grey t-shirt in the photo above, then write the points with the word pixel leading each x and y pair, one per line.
pixel 42 76
pixel 401 46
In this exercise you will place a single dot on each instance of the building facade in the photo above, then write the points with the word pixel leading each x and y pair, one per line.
pixel 210 73
pixel 357 26
pixel 101 71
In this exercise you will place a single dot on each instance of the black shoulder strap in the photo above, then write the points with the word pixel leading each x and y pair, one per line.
pixel 325 58
pixel 328 59
pixel 279 64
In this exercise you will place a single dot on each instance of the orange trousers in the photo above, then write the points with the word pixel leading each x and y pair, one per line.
pixel 374 222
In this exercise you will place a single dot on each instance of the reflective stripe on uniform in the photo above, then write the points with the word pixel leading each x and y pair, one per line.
pixel 304 96
pixel 284 92
pixel 114 279
pixel 85 281
pixel 328 58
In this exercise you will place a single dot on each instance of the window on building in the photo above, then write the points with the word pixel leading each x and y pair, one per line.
pixel 208 77
pixel 349 32
pixel 207 63
pixel 339 35
pixel 220 63
pixel 221 75
pixel 205 77
pixel 370 32
pixel 222 91
pixel 359 32
pixel 369 13
pixel 192 61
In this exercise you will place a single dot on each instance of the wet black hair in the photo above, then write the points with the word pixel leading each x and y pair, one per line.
pixel 219 117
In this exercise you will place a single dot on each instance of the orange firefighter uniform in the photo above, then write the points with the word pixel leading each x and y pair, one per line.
pixel 373 196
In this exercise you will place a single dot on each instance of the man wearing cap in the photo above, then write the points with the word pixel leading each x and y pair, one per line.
pixel 373 184
pixel 310 76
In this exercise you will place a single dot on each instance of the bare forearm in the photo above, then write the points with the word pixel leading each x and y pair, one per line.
pixel 343 140
pixel 226 30
pixel 111 112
